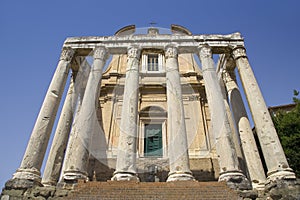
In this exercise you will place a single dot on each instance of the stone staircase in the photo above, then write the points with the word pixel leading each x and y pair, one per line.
pixel 152 190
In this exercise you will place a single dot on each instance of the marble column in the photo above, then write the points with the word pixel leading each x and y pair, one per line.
pixel 126 160
pixel 275 159
pixel 29 170
pixel 80 86
pixel 87 121
pixel 234 135
pixel 58 147
pixel 177 138
pixel 228 162
pixel 250 151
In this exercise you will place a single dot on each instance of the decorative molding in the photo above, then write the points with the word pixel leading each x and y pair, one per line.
pixel 239 52
pixel 171 52
pixel 100 53
pixel 66 54
pixel 205 52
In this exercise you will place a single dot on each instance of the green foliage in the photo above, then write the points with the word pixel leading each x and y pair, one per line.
pixel 287 125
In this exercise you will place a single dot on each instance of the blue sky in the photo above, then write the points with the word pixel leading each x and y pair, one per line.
pixel 32 33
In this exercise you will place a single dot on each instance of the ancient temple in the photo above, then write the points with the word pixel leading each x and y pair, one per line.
pixel 153 105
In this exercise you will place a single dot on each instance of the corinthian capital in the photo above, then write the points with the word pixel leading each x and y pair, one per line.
pixel 66 54
pixel 228 76
pixel 100 53
pixel 133 52
pixel 171 52
pixel 205 52
pixel 239 52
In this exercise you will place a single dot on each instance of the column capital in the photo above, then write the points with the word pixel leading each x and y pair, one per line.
pixel 239 52
pixel 66 54
pixel 171 52
pixel 205 51
pixel 228 76
pixel 133 52
pixel 101 53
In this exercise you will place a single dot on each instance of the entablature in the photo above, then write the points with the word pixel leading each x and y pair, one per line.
pixel 185 43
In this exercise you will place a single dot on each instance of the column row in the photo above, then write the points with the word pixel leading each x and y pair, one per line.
pixel 85 117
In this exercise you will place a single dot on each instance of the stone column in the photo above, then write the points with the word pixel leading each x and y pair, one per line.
pixel 276 162
pixel 228 162
pixel 57 151
pixel 126 160
pixel 29 171
pixel 251 154
pixel 177 139
pixel 234 135
pixel 80 86
pixel 87 119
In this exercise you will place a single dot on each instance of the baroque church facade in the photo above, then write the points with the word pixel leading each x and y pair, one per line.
pixel 152 105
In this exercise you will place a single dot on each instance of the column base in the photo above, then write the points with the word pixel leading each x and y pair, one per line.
pixel 235 180
pixel 285 174
pixel 24 178
pixel 180 176
pixel 258 185
pixel 49 183
pixel 125 176
pixel 72 176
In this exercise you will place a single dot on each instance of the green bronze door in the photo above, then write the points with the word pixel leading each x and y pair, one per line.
pixel 153 140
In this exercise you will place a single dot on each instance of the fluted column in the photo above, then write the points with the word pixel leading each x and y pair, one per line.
pixel 177 144
pixel 58 147
pixel 37 145
pixel 272 150
pixel 87 119
pixel 251 154
pixel 126 160
pixel 228 162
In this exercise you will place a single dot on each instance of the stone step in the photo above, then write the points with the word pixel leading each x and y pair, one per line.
pixel 152 190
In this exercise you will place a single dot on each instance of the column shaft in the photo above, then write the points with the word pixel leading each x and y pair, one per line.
pixel 80 86
pixel 272 150
pixel 234 135
pixel 229 167
pixel 86 125
pixel 252 158
pixel 126 160
pixel 56 155
pixel 37 145
pixel 177 144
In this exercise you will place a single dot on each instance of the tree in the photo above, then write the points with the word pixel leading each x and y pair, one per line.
pixel 287 125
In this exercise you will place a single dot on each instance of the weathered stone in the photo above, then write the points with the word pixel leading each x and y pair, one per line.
pixel 178 154
pixel 273 153
pixel 114 108
pixel 229 165
pixel 126 160
pixel 86 124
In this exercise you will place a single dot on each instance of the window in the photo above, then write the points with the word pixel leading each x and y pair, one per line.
pixel 152 64
pixel 153 140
